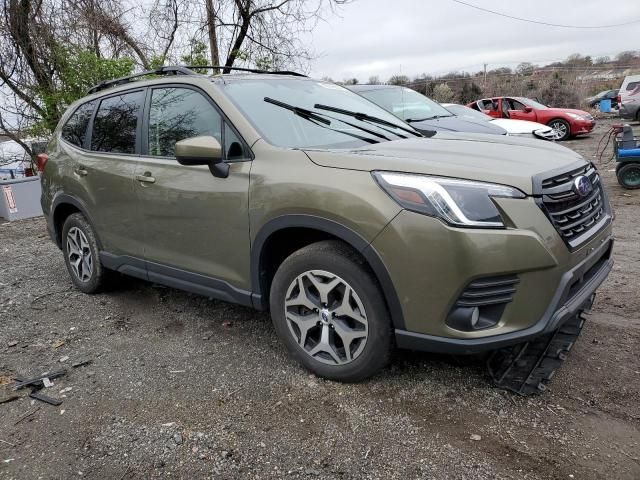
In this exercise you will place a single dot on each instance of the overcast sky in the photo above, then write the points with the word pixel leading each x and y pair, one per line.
pixel 382 37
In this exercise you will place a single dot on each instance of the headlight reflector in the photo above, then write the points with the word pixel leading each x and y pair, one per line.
pixel 462 203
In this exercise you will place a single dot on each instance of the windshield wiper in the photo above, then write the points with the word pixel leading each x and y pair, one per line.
pixel 321 121
pixel 366 118
pixel 414 120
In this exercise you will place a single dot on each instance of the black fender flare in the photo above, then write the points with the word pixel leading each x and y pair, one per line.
pixel 335 229
pixel 66 199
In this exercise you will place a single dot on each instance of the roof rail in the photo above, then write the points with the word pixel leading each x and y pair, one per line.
pixel 175 70
pixel 180 70
pixel 242 69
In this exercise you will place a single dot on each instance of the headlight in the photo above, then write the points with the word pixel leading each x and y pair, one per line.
pixel 462 203
pixel 575 116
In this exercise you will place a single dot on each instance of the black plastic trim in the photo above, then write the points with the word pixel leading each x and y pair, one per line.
pixel 338 230
pixel 63 198
pixel 559 311
pixel 176 278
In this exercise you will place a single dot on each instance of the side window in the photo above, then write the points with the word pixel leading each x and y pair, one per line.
pixel 179 113
pixel 632 86
pixel 516 105
pixel 75 130
pixel 115 123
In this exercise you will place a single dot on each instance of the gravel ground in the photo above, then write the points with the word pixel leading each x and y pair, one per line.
pixel 183 387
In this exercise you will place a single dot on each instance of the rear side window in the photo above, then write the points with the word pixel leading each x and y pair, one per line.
pixel 632 86
pixel 179 113
pixel 115 124
pixel 75 130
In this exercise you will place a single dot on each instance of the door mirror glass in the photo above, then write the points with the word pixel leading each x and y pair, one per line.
pixel 205 150
pixel 528 109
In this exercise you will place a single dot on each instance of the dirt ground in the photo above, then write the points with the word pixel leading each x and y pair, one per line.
pixel 183 387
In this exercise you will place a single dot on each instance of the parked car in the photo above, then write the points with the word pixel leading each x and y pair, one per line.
pixel 629 98
pixel 15 162
pixel 294 195
pixel 567 122
pixel 421 112
pixel 603 95
pixel 519 128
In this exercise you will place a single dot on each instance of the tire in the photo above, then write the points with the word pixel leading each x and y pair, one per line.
pixel 562 128
pixel 86 272
pixel 629 175
pixel 363 318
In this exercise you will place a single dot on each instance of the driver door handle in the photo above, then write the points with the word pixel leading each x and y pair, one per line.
pixel 146 178
pixel 81 171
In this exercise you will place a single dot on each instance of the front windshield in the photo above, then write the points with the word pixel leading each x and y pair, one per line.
pixel 405 103
pixel 282 127
pixel 466 112
pixel 532 103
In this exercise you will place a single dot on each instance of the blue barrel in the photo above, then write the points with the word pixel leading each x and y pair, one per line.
pixel 605 105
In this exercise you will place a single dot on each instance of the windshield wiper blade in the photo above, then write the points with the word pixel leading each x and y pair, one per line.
pixel 366 117
pixel 321 121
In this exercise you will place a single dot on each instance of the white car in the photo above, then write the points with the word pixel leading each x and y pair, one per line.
pixel 522 128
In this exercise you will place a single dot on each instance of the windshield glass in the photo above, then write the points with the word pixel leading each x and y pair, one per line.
pixel 282 127
pixel 532 103
pixel 405 103
pixel 466 112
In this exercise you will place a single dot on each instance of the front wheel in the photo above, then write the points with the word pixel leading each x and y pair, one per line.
pixel 629 175
pixel 328 310
pixel 561 128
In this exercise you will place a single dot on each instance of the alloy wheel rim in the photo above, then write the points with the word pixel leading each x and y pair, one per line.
pixel 632 177
pixel 560 129
pixel 79 254
pixel 326 317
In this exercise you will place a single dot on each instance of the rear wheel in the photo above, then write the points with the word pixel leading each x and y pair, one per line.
pixel 629 175
pixel 329 311
pixel 561 128
pixel 80 250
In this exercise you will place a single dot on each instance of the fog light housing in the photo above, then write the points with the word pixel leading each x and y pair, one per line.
pixel 482 303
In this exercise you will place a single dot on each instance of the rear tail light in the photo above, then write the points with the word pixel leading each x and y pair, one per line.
pixel 41 161
pixel 619 99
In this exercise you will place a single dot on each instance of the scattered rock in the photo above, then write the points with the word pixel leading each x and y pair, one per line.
pixel 12 343
pixel 475 437
pixel 64 359
pixel 178 438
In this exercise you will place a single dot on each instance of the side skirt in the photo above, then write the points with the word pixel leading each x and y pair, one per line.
pixel 177 278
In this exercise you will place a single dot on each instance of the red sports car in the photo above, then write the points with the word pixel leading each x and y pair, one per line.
pixel 567 122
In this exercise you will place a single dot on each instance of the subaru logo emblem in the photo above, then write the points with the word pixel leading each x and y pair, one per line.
pixel 582 186
pixel 325 317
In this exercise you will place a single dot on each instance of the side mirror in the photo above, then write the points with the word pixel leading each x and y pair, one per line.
pixel 528 109
pixel 205 150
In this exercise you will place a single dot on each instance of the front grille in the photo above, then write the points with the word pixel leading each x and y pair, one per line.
pixel 574 217
pixel 488 291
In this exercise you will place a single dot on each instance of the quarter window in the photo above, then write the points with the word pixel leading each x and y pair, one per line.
pixel 75 130
pixel 115 124
pixel 179 113
pixel 632 86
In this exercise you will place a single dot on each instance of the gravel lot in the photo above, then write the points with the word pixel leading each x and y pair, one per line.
pixel 183 387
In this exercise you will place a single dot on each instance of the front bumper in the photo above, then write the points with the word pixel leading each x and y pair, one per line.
pixel 575 294
pixel 431 265
pixel 582 127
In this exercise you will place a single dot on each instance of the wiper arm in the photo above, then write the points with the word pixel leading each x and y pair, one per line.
pixel 319 120
pixel 366 117
pixel 414 120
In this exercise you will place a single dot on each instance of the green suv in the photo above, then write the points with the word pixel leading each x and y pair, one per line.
pixel 288 194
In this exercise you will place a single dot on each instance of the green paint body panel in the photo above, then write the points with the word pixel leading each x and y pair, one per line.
pixel 190 220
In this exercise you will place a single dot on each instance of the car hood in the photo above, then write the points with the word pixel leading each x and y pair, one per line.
pixel 490 158
pixel 456 124
pixel 516 127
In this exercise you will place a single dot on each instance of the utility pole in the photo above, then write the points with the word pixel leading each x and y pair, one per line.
pixel 485 75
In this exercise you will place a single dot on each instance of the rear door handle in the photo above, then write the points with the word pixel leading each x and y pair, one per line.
pixel 81 170
pixel 146 178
